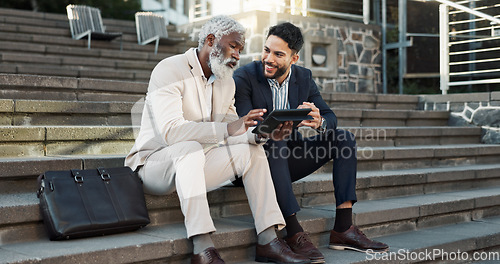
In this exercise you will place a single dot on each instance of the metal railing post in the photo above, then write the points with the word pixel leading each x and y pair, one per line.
pixel 384 44
pixel 402 39
pixel 366 12
pixel 444 48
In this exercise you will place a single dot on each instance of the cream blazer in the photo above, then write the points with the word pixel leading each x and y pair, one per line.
pixel 175 110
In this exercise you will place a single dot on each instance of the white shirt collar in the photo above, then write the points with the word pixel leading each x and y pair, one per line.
pixel 212 77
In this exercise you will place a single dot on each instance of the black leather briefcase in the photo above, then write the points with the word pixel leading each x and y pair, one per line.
pixel 82 203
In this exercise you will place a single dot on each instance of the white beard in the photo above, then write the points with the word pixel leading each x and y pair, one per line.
pixel 218 64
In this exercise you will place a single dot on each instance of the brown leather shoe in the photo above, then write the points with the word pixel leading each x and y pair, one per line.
pixel 354 239
pixel 207 256
pixel 300 243
pixel 279 252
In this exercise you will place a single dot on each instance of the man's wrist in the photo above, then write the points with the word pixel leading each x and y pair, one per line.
pixel 322 125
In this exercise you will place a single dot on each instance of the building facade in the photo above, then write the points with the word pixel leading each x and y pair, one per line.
pixel 343 54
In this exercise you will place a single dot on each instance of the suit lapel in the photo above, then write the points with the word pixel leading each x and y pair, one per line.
pixel 200 86
pixel 217 100
pixel 293 91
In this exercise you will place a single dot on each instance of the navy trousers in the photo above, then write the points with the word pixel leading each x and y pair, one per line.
pixel 297 157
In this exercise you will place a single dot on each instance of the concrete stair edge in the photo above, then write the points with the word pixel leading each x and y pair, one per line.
pixel 379 155
pixel 71 83
pixel 166 234
pixel 22 208
pixel 437 244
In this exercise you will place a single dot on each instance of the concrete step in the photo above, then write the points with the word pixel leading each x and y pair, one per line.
pixel 36 141
pixel 53 20
pixel 62 51
pixel 422 156
pixel 30 18
pixel 20 112
pixel 49 28
pixel 61 30
pixel 30 167
pixel 380 217
pixel 470 242
pixel 26 17
pixel 16 58
pixel 369 158
pixel 379 119
pixel 390 118
pixel 371 101
pixel 407 136
pixel 80 71
pixel 15 36
pixel 21 86
pixel 40 50
pixel 370 185
pixel 20 205
pixel 54 36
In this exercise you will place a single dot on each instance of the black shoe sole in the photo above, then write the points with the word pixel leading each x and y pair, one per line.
pixel 344 247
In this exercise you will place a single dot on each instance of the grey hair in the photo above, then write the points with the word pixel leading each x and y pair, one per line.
pixel 219 26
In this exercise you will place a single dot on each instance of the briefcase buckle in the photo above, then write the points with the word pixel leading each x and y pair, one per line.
pixel 105 177
pixel 78 178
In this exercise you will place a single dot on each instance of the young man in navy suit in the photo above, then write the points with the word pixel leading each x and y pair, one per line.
pixel 276 82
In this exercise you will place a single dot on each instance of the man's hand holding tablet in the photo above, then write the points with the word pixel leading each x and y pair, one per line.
pixel 279 123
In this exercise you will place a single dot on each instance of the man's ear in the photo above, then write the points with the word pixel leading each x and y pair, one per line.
pixel 210 40
pixel 295 57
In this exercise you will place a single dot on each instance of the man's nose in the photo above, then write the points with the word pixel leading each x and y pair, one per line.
pixel 268 58
pixel 236 55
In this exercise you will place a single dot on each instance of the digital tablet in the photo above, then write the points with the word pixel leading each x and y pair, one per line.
pixel 277 117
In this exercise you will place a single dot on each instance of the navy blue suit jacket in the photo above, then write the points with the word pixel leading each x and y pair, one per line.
pixel 253 91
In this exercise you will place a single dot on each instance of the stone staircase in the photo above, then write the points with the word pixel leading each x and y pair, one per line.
pixel 41 44
pixel 423 186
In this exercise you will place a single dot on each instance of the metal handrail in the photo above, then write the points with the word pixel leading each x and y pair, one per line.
pixel 470 11
pixel 479 70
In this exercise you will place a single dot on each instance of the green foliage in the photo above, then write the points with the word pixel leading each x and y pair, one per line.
pixel 117 9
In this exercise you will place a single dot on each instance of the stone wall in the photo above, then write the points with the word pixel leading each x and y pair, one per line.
pixel 343 56
pixel 474 109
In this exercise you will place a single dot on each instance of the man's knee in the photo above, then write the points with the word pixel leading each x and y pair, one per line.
pixel 187 151
pixel 345 138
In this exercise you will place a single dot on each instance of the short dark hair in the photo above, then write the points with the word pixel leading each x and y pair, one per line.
pixel 289 33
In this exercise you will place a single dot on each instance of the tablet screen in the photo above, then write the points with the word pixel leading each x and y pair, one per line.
pixel 277 117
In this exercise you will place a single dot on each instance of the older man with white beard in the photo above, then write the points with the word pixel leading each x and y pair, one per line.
pixel 191 141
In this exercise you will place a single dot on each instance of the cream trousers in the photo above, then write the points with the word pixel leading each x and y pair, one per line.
pixel 185 167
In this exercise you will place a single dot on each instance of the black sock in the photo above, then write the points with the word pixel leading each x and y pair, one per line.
pixel 343 220
pixel 292 226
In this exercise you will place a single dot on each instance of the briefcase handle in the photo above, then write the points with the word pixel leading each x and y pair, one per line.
pixel 105 176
